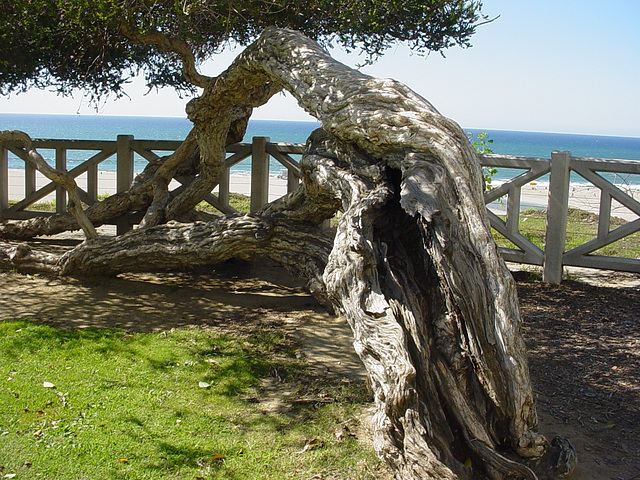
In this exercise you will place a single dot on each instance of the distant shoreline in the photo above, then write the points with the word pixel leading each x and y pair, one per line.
pixel 107 184
pixel 183 118
pixel 533 195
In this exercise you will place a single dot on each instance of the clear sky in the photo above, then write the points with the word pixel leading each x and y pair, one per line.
pixel 569 66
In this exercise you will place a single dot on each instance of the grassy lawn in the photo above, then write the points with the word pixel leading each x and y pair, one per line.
pixel 185 403
pixel 581 227
pixel 236 200
pixel 240 202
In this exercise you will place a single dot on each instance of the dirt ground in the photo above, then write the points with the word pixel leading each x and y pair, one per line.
pixel 584 353
pixel 583 337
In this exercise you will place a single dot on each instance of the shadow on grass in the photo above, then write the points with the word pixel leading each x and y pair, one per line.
pixel 117 370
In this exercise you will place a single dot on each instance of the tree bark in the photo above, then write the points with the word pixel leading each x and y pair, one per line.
pixel 144 195
pixel 412 266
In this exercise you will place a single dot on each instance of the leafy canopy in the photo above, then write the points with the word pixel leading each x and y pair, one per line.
pixel 67 44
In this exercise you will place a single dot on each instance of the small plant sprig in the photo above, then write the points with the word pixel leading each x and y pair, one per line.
pixel 482 144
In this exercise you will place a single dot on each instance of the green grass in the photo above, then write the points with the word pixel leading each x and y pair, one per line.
pixel 581 227
pixel 236 200
pixel 181 404
pixel 240 202
pixel 47 206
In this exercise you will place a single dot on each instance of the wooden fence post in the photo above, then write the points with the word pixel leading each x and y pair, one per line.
pixel 29 179
pixel 61 193
pixel 557 209
pixel 4 181
pixel 92 183
pixel 223 187
pixel 259 173
pixel 292 181
pixel 124 176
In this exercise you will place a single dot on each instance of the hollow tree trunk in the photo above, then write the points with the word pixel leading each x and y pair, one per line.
pixel 412 266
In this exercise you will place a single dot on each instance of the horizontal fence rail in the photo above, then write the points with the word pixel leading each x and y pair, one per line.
pixel 558 168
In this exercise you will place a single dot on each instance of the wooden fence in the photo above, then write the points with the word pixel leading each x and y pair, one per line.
pixel 558 168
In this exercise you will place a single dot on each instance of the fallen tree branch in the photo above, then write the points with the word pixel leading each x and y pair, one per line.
pixel 299 246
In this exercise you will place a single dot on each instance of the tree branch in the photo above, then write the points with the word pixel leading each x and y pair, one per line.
pixel 169 44
pixel 156 212
pixel 301 247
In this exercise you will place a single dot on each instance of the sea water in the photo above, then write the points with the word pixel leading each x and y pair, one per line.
pixel 100 127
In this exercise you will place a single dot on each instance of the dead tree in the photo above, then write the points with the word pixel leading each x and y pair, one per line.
pixel 412 266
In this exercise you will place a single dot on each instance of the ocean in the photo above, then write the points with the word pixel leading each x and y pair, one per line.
pixel 99 127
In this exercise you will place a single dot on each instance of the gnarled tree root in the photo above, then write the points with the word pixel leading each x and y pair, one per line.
pixel 412 266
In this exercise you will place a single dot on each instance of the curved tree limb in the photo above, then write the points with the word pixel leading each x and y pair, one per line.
pixel 412 266
pixel 57 176
pixel 162 177
pixel 212 127
pixel 168 44
pixel 299 246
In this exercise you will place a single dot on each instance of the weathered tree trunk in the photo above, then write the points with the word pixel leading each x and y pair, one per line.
pixel 412 266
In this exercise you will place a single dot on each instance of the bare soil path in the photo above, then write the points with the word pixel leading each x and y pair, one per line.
pixel 584 350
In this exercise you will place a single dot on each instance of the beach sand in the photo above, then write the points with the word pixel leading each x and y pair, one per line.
pixel 533 195
pixel 107 184
pixel 581 196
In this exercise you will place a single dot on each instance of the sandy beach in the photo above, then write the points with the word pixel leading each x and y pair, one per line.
pixel 107 184
pixel 581 196
pixel 533 195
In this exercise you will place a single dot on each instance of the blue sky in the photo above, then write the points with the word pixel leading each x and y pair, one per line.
pixel 550 65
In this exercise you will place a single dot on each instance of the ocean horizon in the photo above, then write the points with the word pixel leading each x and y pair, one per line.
pixel 102 127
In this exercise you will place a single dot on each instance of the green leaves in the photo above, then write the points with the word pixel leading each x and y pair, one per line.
pixel 481 145
pixel 482 142
pixel 79 44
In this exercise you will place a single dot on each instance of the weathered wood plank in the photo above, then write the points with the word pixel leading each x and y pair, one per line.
pixel 259 173
pixel 531 253
pixel 243 151
pixel 599 242
pixel 61 194
pixel 124 175
pixel 4 181
pixel 604 263
pixel 604 215
pixel 611 189
pixel 513 210
pixel 535 172
pixel 556 216
pixel 607 164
